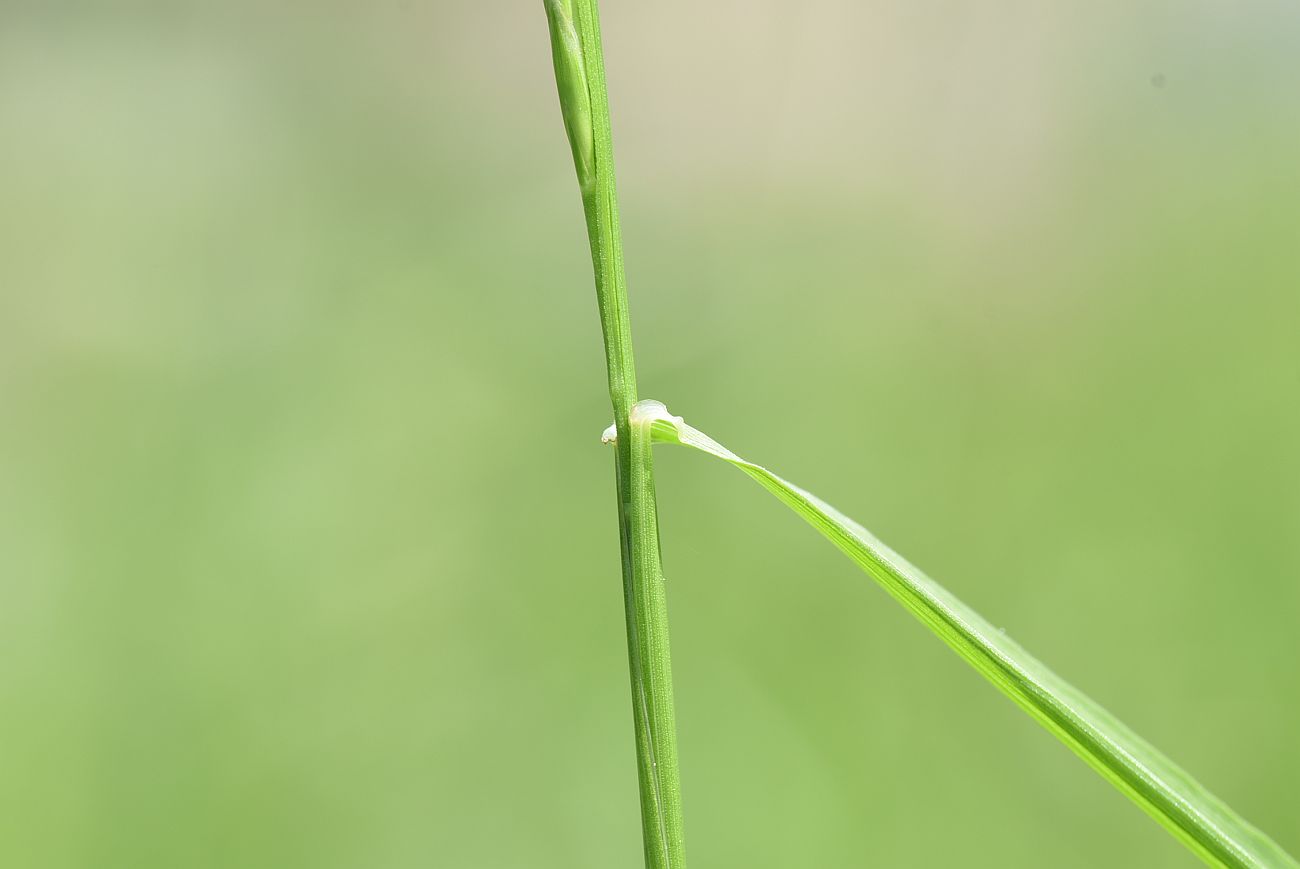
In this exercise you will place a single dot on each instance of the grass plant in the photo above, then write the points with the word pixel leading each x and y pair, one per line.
pixel 1206 825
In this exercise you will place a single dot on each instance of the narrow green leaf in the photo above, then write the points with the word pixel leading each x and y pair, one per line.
pixel 1203 823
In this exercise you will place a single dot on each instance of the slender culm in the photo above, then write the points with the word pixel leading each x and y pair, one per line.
pixel 584 104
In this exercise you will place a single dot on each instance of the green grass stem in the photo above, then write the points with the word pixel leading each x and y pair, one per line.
pixel 584 104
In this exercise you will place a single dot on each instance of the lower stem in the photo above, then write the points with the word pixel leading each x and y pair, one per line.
pixel 650 664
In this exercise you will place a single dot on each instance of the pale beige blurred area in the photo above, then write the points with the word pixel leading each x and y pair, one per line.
pixel 307 544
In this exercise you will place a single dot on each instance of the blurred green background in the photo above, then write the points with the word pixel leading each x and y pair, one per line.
pixel 307 543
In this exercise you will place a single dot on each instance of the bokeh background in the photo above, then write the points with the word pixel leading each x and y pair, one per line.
pixel 307 543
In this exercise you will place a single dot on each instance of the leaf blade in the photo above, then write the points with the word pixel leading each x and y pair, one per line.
pixel 1182 805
